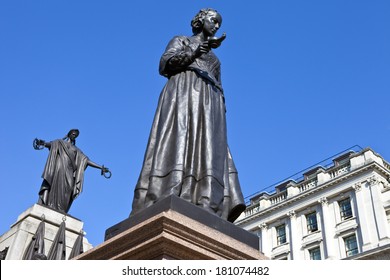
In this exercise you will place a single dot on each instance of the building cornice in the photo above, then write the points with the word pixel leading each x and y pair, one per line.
pixel 371 166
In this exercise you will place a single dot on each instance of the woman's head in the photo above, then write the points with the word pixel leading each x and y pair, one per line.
pixel 73 134
pixel 205 16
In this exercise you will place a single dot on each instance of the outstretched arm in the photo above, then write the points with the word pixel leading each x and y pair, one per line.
pixel 101 167
pixel 94 165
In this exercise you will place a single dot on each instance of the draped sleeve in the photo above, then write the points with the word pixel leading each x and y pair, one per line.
pixel 177 57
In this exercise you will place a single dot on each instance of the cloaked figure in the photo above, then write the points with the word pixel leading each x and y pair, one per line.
pixel 63 175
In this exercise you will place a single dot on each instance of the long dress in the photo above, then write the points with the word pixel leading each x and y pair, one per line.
pixel 187 153
pixel 63 175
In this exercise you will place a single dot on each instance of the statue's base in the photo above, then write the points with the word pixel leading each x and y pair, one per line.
pixel 20 235
pixel 175 229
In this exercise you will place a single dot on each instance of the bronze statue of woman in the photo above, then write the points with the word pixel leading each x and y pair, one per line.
pixel 187 154
pixel 63 175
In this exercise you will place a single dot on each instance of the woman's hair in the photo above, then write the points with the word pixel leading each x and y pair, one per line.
pixel 197 21
pixel 70 131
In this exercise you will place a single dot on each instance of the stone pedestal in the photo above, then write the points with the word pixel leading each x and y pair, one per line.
pixel 21 233
pixel 175 229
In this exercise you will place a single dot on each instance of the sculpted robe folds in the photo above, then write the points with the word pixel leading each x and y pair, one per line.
pixel 187 153
pixel 63 175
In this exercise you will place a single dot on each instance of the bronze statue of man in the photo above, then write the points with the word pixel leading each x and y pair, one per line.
pixel 187 154
pixel 63 175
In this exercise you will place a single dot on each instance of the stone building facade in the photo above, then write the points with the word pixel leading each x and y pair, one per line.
pixel 337 212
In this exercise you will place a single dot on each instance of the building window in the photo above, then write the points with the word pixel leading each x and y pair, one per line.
pixel 351 247
pixel 345 209
pixel 311 221
pixel 315 253
pixel 281 234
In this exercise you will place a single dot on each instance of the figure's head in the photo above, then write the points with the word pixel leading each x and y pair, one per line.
pixel 73 134
pixel 207 20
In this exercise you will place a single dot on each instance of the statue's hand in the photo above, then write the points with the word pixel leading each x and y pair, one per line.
pixel 201 49
pixel 106 172
pixel 38 144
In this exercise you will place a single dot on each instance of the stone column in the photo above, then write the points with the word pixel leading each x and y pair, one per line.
pixel 327 229
pixel 294 238
pixel 379 212
pixel 360 208
pixel 265 247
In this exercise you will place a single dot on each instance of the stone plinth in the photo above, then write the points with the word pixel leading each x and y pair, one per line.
pixel 22 231
pixel 175 229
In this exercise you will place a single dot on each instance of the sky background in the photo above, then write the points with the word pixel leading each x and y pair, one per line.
pixel 303 81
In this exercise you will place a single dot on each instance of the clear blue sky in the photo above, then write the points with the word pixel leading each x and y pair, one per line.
pixel 303 81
